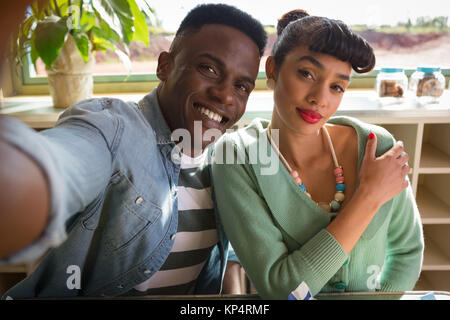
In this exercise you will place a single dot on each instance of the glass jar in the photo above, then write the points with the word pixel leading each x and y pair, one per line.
pixel 391 84
pixel 427 84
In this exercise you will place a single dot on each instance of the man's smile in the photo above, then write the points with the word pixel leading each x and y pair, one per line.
pixel 208 114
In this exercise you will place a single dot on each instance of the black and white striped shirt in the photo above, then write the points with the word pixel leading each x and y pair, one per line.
pixel 196 234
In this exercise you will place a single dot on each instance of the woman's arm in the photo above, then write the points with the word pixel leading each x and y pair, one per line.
pixel 259 244
pixel 405 244
pixel 380 179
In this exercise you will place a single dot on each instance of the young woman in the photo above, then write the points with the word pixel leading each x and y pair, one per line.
pixel 339 214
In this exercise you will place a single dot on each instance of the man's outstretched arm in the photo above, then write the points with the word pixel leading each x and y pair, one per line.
pixel 24 200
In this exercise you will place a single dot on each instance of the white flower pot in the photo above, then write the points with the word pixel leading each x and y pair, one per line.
pixel 70 78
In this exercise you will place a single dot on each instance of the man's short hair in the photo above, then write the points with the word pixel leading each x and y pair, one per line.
pixel 225 15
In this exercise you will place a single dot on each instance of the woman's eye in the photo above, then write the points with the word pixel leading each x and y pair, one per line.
pixel 338 89
pixel 305 74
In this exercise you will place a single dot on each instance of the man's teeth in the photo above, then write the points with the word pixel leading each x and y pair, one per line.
pixel 210 114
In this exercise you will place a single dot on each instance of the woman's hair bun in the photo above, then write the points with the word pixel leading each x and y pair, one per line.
pixel 289 17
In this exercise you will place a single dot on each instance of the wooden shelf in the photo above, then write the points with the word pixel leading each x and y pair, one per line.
pixel 19 268
pixel 432 209
pixel 434 258
pixel 433 281
pixel 424 284
pixel 433 160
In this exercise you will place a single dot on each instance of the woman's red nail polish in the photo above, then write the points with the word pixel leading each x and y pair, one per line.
pixel 371 135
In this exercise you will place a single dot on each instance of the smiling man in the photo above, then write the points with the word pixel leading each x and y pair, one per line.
pixel 119 216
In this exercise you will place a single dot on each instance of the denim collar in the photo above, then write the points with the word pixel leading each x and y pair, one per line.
pixel 151 110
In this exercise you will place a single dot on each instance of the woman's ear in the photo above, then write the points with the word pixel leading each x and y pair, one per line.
pixel 270 73
pixel 164 65
pixel 270 68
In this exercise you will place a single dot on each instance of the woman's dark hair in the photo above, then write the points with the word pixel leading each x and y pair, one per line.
pixel 225 15
pixel 322 35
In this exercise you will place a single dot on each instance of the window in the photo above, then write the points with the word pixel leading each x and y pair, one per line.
pixel 403 34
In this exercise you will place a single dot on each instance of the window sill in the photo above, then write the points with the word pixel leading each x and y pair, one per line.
pixel 39 113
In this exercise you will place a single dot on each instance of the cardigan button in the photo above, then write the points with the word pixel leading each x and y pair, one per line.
pixel 340 285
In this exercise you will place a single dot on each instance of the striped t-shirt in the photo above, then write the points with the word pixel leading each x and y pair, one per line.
pixel 196 234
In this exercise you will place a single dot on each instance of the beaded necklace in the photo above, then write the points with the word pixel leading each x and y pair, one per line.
pixel 339 196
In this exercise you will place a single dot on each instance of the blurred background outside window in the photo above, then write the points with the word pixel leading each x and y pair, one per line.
pixel 404 34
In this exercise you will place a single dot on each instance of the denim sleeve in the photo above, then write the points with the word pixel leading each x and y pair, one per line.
pixel 232 255
pixel 76 159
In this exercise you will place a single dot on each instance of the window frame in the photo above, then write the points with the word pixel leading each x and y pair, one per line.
pixel 144 82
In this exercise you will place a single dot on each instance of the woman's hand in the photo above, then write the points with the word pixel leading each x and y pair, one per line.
pixel 385 176
pixel 381 179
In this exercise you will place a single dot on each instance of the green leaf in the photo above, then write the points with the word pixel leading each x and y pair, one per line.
pixel 141 32
pixel 126 19
pixel 105 12
pixel 144 6
pixel 82 42
pixel 117 13
pixel 111 34
pixel 39 11
pixel 87 21
pixel 33 53
pixel 50 36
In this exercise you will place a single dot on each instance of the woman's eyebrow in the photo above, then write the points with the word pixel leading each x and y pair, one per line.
pixel 320 66
pixel 312 60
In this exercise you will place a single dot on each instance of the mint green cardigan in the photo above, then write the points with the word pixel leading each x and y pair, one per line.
pixel 279 234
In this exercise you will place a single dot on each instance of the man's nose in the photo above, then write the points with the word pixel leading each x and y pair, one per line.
pixel 222 92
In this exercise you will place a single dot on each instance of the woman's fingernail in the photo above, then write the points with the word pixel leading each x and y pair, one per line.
pixel 371 135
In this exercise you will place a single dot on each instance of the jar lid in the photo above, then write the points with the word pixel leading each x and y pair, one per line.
pixel 391 70
pixel 428 69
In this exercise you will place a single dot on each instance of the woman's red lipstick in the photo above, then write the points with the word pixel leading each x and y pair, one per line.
pixel 309 116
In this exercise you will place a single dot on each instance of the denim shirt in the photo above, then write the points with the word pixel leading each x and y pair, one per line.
pixel 113 201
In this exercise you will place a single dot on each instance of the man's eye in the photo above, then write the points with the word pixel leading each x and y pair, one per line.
pixel 243 88
pixel 207 69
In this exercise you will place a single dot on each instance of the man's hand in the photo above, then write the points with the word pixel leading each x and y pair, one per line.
pixel 232 279
pixel 24 200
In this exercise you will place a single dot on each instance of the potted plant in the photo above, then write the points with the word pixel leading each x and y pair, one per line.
pixel 65 34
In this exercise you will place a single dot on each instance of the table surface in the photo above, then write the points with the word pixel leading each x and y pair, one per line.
pixel 406 295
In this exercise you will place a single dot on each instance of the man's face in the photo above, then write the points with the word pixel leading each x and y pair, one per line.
pixel 207 78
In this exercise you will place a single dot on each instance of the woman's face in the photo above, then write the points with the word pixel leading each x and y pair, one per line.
pixel 308 90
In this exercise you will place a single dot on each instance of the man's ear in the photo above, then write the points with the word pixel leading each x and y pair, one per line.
pixel 164 65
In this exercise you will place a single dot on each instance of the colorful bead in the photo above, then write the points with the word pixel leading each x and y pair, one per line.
pixel 340 179
pixel 338 171
pixel 335 205
pixel 340 187
pixel 339 196
pixel 302 187
pixel 298 181
pixel 294 174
